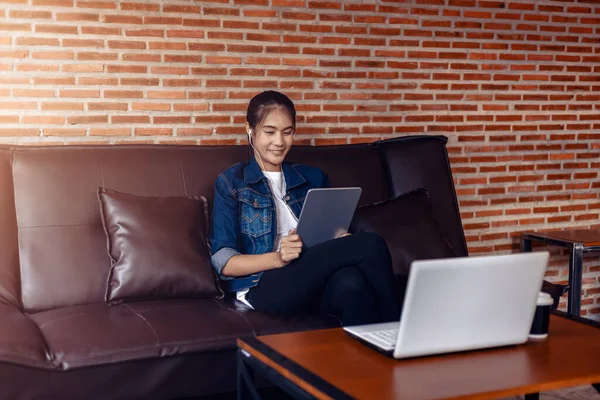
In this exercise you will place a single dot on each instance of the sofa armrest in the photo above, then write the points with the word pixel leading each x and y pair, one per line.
pixel 21 341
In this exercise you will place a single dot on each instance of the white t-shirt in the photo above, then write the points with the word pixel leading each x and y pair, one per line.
pixel 286 220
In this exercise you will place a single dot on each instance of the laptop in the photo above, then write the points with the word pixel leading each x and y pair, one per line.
pixel 459 304
pixel 326 213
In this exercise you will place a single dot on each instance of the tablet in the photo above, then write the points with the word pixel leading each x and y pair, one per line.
pixel 327 212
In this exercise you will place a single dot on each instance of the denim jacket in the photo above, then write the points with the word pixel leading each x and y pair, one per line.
pixel 244 213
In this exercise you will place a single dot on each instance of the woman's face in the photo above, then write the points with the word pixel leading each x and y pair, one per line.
pixel 273 140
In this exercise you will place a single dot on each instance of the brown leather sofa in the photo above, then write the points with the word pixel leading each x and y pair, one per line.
pixel 58 337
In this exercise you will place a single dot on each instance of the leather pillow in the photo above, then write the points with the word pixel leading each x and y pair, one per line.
pixel 408 226
pixel 157 246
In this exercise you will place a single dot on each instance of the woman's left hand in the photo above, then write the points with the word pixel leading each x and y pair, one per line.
pixel 290 248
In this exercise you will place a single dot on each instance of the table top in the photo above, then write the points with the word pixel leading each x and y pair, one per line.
pixel 588 237
pixel 326 362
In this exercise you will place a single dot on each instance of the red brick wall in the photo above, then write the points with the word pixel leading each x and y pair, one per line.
pixel 514 85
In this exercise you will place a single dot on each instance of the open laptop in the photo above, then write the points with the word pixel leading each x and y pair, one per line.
pixel 459 304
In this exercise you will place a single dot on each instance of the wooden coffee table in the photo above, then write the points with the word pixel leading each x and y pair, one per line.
pixel 578 242
pixel 329 364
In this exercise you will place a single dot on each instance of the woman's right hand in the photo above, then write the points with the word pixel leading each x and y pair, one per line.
pixel 290 249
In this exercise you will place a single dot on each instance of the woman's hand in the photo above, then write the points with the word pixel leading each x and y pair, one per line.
pixel 290 249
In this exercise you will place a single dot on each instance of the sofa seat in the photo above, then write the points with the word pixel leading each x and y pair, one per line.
pixel 94 334
pixel 21 341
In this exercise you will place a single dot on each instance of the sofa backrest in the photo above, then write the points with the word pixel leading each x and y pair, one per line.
pixel 52 245
pixel 62 245
pixel 348 165
pixel 422 161
pixel 10 291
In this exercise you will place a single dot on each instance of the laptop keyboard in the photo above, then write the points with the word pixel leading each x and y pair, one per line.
pixel 388 337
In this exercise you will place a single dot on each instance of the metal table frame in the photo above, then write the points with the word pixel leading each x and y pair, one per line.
pixel 577 249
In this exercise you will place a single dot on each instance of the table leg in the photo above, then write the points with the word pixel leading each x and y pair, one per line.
pixel 246 390
pixel 249 367
pixel 525 245
pixel 575 279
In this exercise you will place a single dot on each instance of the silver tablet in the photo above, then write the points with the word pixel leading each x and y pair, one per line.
pixel 327 213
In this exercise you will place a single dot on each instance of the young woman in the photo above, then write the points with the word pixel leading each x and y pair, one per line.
pixel 256 251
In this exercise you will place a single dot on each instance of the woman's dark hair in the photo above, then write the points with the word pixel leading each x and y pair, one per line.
pixel 262 104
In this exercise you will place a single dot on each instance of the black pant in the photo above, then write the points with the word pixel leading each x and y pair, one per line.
pixel 350 277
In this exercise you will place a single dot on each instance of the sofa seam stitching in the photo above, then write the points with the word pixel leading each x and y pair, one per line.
pixel 13 162
pixel 61 319
pixel 185 192
pixel 112 352
pixel 146 322
pixel 47 348
pixel 102 173
pixel 238 313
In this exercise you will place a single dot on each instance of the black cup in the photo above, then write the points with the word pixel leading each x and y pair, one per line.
pixel 541 320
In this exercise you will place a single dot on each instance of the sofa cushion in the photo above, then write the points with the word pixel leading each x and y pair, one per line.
pixel 193 325
pixel 95 334
pixel 421 161
pixel 20 339
pixel 409 228
pixel 157 245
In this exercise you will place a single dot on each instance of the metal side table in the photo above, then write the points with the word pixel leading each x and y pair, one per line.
pixel 578 242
